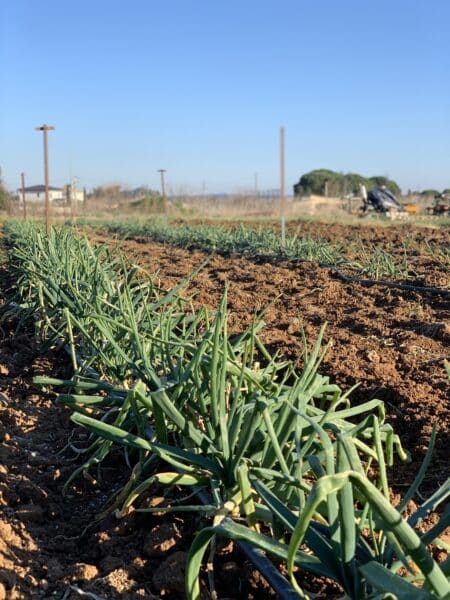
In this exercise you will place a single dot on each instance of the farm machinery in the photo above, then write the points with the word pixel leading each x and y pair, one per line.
pixel 441 205
pixel 382 201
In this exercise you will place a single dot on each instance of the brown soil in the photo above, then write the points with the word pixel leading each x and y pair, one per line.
pixel 394 342
pixel 47 549
pixel 385 235
pixel 391 342
pixel 41 551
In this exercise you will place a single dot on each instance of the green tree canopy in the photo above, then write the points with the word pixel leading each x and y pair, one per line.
pixel 430 192
pixel 5 196
pixel 325 181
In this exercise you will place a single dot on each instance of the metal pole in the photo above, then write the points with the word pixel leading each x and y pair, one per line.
pixel 22 177
pixel 47 199
pixel 163 191
pixel 73 197
pixel 44 128
pixel 282 195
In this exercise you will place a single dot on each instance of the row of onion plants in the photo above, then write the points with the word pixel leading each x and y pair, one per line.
pixel 266 244
pixel 285 461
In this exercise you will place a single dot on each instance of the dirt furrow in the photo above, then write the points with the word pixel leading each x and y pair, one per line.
pixel 391 342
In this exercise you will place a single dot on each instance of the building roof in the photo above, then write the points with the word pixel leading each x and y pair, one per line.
pixel 41 188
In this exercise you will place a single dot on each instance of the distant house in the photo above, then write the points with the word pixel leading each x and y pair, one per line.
pixel 36 194
pixel 72 195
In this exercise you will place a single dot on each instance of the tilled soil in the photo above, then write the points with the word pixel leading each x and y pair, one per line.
pixel 41 553
pixel 51 545
pixel 378 234
pixel 391 342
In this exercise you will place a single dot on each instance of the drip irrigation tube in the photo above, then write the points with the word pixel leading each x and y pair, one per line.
pixel 391 284
pixel 274 578
pixel 256 556
pixel 282 258
pixel 277 582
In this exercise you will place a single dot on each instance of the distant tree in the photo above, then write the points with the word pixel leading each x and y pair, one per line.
pixel 318 182
pixel 5 196
pixel 354 181
pixel 107 191
pixel 152 202
pixel 325 181
pixel 430 192
pixel 143 191
pixel 380 180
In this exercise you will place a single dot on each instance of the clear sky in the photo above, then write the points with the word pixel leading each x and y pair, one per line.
pixel 200 88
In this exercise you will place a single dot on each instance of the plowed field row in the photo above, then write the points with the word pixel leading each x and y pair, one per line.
pixel 391 342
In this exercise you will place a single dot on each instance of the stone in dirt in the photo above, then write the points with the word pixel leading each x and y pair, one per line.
pixel 110 563
pixel 29 492
pixel 81 572
pixel 30 513
pixel 162 538
pixel 169 577
pixel 120 581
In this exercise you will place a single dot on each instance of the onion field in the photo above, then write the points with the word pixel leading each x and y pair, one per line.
pixel 223 415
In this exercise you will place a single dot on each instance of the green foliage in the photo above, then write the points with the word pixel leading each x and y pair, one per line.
pixel 353 183
pixel 290 466
pixel 267 244
pixel 380 180
pixel 316 182
pixel 325 181
pixel 5 196
pixel 152 202
pixel 345 528
pixel 430 192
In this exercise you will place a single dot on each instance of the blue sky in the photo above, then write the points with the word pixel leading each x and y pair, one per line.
pixel 201 88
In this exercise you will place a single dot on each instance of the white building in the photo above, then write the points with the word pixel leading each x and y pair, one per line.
pixel 36 194
pixel 72 194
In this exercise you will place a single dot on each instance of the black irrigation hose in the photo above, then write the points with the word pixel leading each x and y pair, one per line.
pixel 391 284
pixel 282 258
pixel 256 556
pixel 272 575
pixel 277 582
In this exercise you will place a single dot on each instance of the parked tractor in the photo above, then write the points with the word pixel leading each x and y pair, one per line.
pixel 382 201
pixel 441 205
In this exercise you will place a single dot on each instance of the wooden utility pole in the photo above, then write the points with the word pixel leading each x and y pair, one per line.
pixel 282 194
pixel 44 128
pixel 73 197
pixel 22 178
pixel 163 190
